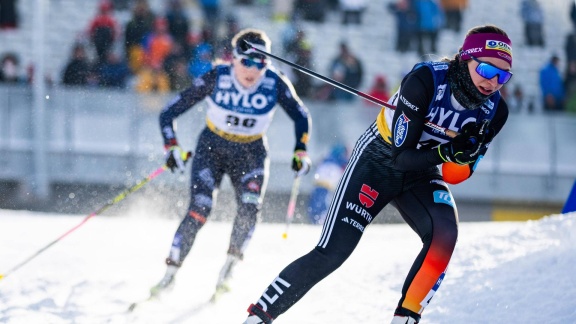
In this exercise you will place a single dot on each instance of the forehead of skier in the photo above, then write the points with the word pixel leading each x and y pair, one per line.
pixel 484 66
pixel 249 68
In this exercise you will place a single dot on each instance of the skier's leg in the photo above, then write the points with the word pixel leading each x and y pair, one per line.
pixel 205 178
pixel 366 186
pixel 430 211
pixel 204 182
pixel 250 187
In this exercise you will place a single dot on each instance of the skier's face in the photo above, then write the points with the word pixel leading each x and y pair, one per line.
pixel 247 71
pixel 484 85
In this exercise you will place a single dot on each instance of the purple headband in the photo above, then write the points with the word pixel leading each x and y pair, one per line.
pixel 487 45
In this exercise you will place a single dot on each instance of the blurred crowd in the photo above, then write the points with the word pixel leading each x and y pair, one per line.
pixel 152 52
pixel 165 51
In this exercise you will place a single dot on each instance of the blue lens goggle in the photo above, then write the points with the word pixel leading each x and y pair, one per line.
pixel 488 71
pixel 260 64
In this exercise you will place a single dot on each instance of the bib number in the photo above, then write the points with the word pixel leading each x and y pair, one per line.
pixel 235 121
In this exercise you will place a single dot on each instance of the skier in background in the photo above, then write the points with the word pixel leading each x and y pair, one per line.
pixel 241 99
pixel 326 179
pixel 396 161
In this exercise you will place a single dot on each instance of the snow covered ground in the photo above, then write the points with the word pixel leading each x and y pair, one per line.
pixel 515 272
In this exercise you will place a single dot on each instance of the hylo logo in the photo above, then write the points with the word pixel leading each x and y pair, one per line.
pixel 367 196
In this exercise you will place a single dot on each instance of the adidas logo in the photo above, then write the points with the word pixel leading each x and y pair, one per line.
pixel 345 219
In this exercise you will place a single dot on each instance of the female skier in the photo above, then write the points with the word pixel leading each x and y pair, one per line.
pixel 396 161
pixel 241 99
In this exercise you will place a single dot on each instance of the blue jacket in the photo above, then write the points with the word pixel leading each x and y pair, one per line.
pixel 551 82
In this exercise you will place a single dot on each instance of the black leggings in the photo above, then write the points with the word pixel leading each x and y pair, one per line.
pixel 247 166
pixel 369 183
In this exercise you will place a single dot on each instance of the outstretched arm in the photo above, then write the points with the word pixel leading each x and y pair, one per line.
pixel 291 103
pixel 184 101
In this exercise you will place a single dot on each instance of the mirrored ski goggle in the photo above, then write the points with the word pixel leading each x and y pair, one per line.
pixel 488 71
pixel 250 62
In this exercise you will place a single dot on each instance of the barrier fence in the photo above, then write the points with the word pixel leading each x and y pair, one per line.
pixel 94 136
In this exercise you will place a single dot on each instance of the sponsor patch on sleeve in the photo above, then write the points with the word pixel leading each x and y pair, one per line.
pixel 400 130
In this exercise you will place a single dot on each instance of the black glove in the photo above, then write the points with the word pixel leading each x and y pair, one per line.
pixel 301 162
pixel 176 158
pixel 464 148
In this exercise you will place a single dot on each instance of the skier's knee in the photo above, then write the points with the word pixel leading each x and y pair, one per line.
pixel 329 260
pixel 193 221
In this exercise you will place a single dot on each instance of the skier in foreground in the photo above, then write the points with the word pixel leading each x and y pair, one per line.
pixel 396 161
pixel 241 100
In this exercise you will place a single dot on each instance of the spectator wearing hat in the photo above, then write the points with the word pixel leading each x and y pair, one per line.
pixel 533 18
pixel 552 86
pixel 103 30
pixel 379 89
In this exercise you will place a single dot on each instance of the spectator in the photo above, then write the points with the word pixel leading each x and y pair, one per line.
pixel 573 13
pixel 158 44
pixel 352 11
pixel 346 68
pixel 151 79
pixel 121 5
pixel 8 14
pixel 326 178
pixel 453 10
pixel 223 48
pixel 202 60
pixel 103 30
pixel 311 10
pixel 516 101
pixel 171 62
pixel 430 20
pixel 299 51
pixel 282 10
pixel 140 25
pixel 379 89
pixel 9 69
pixel 179 77
pixel 114 72
pixel 533 18
pixel 78 71
pixel 178 24
pixel 570 51
pixel 288 33
pixel 406 24
pixel 551 85
pixel 211 10
pixel 571 99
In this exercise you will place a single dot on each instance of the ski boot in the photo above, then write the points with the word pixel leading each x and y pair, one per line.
pixel 223 283
pixel 257 316
pixel 167 282
pixel 404 316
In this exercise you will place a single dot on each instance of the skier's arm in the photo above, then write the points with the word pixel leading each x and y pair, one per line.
pixel 291 103
pixel 416 94
pixel 185 100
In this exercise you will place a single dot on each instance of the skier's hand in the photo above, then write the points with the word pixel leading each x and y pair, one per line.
pixel 301 162
pixel 176 158
pixel 464 148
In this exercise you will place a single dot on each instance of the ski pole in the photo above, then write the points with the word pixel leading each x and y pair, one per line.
pixel 118 198
pixel 291 205
pixel 247 48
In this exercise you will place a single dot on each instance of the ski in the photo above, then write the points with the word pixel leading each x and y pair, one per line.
pixel 139 303
pixel 218 293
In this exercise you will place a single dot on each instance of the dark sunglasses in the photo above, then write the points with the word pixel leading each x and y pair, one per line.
pixel 250 63
pixel 488 71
